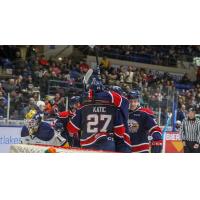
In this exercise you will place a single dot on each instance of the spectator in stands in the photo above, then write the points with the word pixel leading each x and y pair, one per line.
pixel 122 74
pixel 16 100
pixel 31 105
pixel 31 55
pixel 185 79
pixel 75 72
pixel 56 69
pixel 1 89
pixel 66 76
pixel 104 77
pixel 2 107
pixel 57 98
pixel 43 61
pixel 43 83
pixel 54 76
pixel 198 75
pixel 129 76
pixel 113 77
pixel 83 67
pixel 19 82
pixel 10 86
pixel 48 106
pixel 105 63
pixel 181 113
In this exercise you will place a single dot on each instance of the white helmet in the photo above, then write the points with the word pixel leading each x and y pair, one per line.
pixel 178 122
pixel 41 105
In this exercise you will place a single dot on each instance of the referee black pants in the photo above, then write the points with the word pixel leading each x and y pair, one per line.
pixel 189 147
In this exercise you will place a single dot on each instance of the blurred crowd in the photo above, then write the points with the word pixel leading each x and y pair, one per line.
pixel 29 80
pixel 158 55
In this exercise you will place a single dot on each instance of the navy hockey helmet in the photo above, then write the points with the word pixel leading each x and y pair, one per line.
pixel 96 85
pixel 134 95
pixel 74 100
pixel 117 89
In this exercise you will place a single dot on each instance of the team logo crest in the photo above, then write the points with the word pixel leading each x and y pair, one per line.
pixel 133 126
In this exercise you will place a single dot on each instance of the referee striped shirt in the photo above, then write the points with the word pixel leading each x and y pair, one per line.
pixel 190 130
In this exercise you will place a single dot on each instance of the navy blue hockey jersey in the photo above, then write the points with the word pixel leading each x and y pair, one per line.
pixel 122 103
pixel 98 123
pixel 141 126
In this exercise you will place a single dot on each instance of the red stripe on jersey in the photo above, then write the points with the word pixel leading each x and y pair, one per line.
pixel 127 139
pixel 157 143
pixel 90 94
pixel 147 110
pixel 64 114
pixel 140 147
pixel 117 99
pixel 92 139
pixel 155 129
pixel 72 129
pixel 119 130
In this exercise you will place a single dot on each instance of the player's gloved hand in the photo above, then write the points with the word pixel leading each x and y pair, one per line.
pixel 156 142
pixel 156 136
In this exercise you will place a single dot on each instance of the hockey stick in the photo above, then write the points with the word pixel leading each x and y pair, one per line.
pixel 97 61
pixel 87 77
pixel 165 131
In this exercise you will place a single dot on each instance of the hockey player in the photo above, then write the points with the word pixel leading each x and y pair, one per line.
pixel 143 127
pixel 116 93
pixel 99 121
pixel 60 124
pixel 36 131
pixel 114 96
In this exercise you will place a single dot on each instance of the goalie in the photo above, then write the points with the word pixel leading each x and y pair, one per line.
pixel 36 131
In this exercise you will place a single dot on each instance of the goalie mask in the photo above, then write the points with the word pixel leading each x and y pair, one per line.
pixel 32 121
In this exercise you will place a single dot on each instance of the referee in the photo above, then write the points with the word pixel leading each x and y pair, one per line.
pixel 190 132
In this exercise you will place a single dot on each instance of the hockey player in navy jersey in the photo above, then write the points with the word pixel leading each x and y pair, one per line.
pixel 36 131
pixel 99 121
pixel 62 118
pixel 114 96
pixel 116 92
pixel 143 129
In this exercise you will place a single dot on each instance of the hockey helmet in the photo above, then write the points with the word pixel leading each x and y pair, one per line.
pixel 96 85
pixel 116 89
pixel 134 95
pixel 73 101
